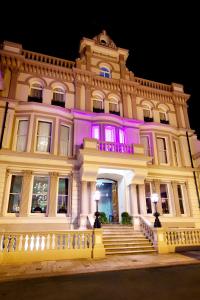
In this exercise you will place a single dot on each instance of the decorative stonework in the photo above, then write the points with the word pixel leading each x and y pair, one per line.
pixel 104 40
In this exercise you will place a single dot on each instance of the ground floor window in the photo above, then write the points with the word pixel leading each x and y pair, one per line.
pixel 40 194
pixel 164 198
pixel 148 197
pixel 62 195
pixel 15 194
pixel 180 198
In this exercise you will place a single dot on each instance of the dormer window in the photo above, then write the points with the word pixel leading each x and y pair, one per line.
pixel 105 72
pixel 35 92
pixel 58 97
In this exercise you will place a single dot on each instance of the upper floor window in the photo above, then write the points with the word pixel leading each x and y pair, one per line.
pixel 110 134
pixel 121 136
pixel 98 105
pixel 35 92
pixel 146 143
pixel 147 114
pixel 105 72
pixel 43 136
pixel 15 194
pixel 58 97
pixel 22 134
pixel 40 194
pixel 114 108
pixel 96 132
pixel 163 117
pixel 64 140
pixel 162 150
pixel 62 206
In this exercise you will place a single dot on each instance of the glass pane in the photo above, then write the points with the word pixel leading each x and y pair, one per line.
pixel 121 136
pixel 63 186
pixel 164 198
pixel 62 195
pixel 147 190
pixel 40 194
pixel 14 203
pixel 64 138
pixel 44 137
pixel 110 134
pixel 95 132
pixel 16 184
pixel 22 135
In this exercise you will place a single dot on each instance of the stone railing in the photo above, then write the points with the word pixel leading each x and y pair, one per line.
pixel 147 229
pixel 22 247
pixel 153 84
pixel 114 147
pixel 42 58
pixel 170 240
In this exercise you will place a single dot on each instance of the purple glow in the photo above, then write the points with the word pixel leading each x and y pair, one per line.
pixel 110 134
pixel 95 132
pixel 121 136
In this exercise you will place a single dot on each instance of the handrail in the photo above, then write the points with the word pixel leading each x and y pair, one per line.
pixel 114 147
pixel 147 229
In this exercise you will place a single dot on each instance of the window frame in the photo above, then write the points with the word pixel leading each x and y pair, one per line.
pixel 166 150
pixel 51 136
pixel 9 193
pixel 48 194
pixel 69 139
pixel 104 70
pixel 68 196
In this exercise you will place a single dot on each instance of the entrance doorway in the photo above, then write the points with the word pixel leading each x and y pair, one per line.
pixel 109 199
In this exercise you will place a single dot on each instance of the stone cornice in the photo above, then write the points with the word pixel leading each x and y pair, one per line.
pixel 44 65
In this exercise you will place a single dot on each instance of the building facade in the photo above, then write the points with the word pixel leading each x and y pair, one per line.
pixel 71 128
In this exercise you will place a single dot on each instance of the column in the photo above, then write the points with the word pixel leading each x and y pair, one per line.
pixel 84 205
pixel 77 94
pixel 13 84
pixel 186 200
pixel 142 199
pixel 185 113
pixel 176 200
pixel 133 196
pixel 4 206
pixel 157 190
pixel 92 200
pixel 134 108
pixel 88 106
pixel 125 105
pixel 178 115
pixel 53 195
pixel 25 205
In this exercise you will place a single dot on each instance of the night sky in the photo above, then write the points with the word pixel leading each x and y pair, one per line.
pixel 162 37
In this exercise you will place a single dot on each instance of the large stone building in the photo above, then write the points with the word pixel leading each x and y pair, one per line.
pixel 69 128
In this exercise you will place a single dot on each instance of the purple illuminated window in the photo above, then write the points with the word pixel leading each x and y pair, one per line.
pixel 95 132
pixel 121 136
pixel 109 134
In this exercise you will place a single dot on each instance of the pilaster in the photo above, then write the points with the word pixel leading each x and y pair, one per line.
pixel 25 205
pixel 52 209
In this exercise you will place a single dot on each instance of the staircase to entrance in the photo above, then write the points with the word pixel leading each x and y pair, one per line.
pixel 123 239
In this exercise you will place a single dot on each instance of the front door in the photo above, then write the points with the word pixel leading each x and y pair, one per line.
pixel 109 199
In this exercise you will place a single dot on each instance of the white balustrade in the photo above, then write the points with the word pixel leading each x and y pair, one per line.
pixel 114 147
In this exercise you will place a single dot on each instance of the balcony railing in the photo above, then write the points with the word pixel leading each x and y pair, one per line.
pixel 164 121
pixel 98 110
pixel 148 119
pixel 114 147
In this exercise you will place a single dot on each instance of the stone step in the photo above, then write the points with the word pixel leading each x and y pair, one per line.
pixel 125 244
pixel 109 249
pixel 130 252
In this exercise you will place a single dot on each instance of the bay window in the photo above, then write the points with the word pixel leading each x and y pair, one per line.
pixel 162 150
pixel 22 134
pixel 43 136
pixel 64 140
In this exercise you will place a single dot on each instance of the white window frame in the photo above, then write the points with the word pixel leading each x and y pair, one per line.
pixel 69 140
pixel 151 191
pixel 59 91
pixel 48 193
pixel 14 144
pixel 98 100
pixel 183 198
pixel 9 193
pixel 149 149
pixel 165 139
pixel 36 135
pixel 169 199
pixel 68 195
pixel 38 88
pixel 176 153
pixel 104 72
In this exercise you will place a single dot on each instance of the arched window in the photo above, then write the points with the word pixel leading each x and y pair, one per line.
pixel 105 72
pixel 35 92
pixel 163 117
pixel 58 97
pixel 147 113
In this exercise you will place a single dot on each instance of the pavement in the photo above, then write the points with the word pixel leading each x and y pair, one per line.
pixel 110 263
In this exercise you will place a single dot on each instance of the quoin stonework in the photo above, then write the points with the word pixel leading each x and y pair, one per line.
pixel 69 128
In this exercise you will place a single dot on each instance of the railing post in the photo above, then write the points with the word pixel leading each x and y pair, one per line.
pixel 160 241
pixel 98 250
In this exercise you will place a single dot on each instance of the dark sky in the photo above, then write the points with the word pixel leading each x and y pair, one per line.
pixel 162 37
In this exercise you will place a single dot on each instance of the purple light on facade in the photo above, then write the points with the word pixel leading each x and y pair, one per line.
pixel 95 132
